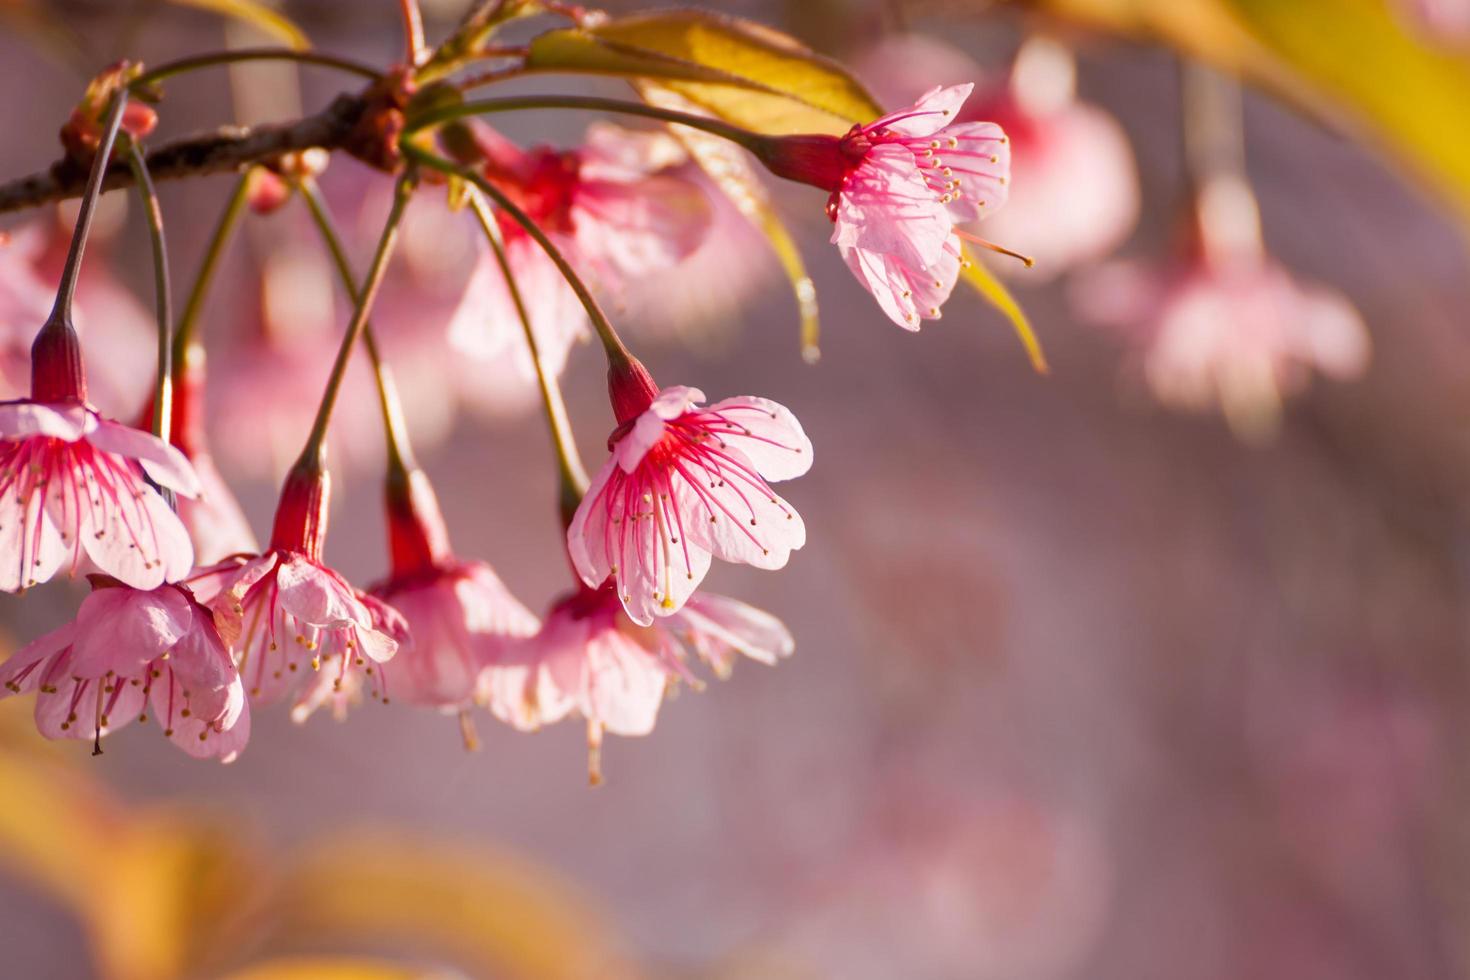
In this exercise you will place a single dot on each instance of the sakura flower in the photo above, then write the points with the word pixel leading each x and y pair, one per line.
pixel 460 616
pixel 1074 196
pixel 286 613
pixel 1241 335
pixel 73 483
pixel 589 657
pixel 683 483
pixel 130 651
pixel 612 209
pixel 898 188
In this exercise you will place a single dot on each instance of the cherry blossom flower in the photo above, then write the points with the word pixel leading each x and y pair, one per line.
pixel 286 613
pixel 613 211
pixel 683 483
pixel 590 658
pixel 899 186
pixel 460 616
pixel 1074 194
pixel 130 651
pixel 73 483
pixel 1240 336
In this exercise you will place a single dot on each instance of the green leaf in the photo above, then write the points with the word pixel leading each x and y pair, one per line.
pixel 737 70
pixel 995 293
pixel 259 15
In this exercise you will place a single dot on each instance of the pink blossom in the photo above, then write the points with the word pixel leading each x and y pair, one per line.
pixel 129 651
pixel 74 483
pixel 286 613
pixel 611 209
pixel 1239 335
pixel 1074 193
pixel 684 483
pixel 899 186
pixel 1441 20
pixel 590 658
pixel 460 617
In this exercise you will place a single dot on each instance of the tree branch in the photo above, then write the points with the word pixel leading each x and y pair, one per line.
pixel 230 148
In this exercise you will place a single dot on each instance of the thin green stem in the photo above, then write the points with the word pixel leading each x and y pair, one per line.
pixel 400 452
pixel 569 463
pixel 413 31
pixel 66 291
pixel 316 442
pixel 163 391
pixel 185 344
pixel 482 107
pixel 171 68
pixel 617 351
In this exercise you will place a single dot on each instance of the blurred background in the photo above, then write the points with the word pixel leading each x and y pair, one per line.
pixel 1086 685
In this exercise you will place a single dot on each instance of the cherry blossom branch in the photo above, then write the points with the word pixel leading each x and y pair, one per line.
pixel 163 389
pixel 316 442
pixel 226 149
pixel 573 477
pixel 400 451
pixel 617 351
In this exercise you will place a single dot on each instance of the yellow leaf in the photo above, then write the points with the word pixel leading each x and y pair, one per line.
pixel 258 14
pixel 494 913
pixel 995 293
pixel 740 71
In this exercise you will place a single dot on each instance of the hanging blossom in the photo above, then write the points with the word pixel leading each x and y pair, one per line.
pixel 460 618
pixel 611 206
pixel 73 483
pixel 591 659
pixel 683 483
pixel 898 188
pixel 1222 325
pixel 287 614
pixel 1074 196
pixel 128 652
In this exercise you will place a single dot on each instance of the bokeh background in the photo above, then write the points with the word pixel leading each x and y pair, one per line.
pixel 1084 687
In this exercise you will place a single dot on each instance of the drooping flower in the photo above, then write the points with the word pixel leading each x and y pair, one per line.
pixel 685 482
pixel 1074 194
pixel 898 187
pixel 287 614
pixel 73 483
pixel 611 206
pixel 1224 326
pixel 590 658
pixel 460 616
pixel 128 652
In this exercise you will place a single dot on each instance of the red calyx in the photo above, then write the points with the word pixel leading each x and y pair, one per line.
pixel 418 539
pixel 822 161
pixel 631 388
pixel 57 374
pixel 301 513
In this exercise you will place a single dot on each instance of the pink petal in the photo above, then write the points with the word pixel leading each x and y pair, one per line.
pixel 670 404
pixel 934 110
pixel 739 523
pixel 23 419
pixel 888 208
pixel 724 624
pixel 32 548
pixel 129 532
pixel 770 436
pixel 588 534
pixel 315 596
pixel 163 463
pixel 39 649
pixel 121 629
pixel 624 685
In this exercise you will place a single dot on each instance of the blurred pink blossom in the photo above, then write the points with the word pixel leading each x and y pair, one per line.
pixel 1441 20
pixel 129 650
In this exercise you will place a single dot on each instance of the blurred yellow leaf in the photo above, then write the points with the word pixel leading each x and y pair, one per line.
pixel 492 912
pixel 995 293
pixel 258 14
pixel 740 71
pixel 1352 62
pixel 335 969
